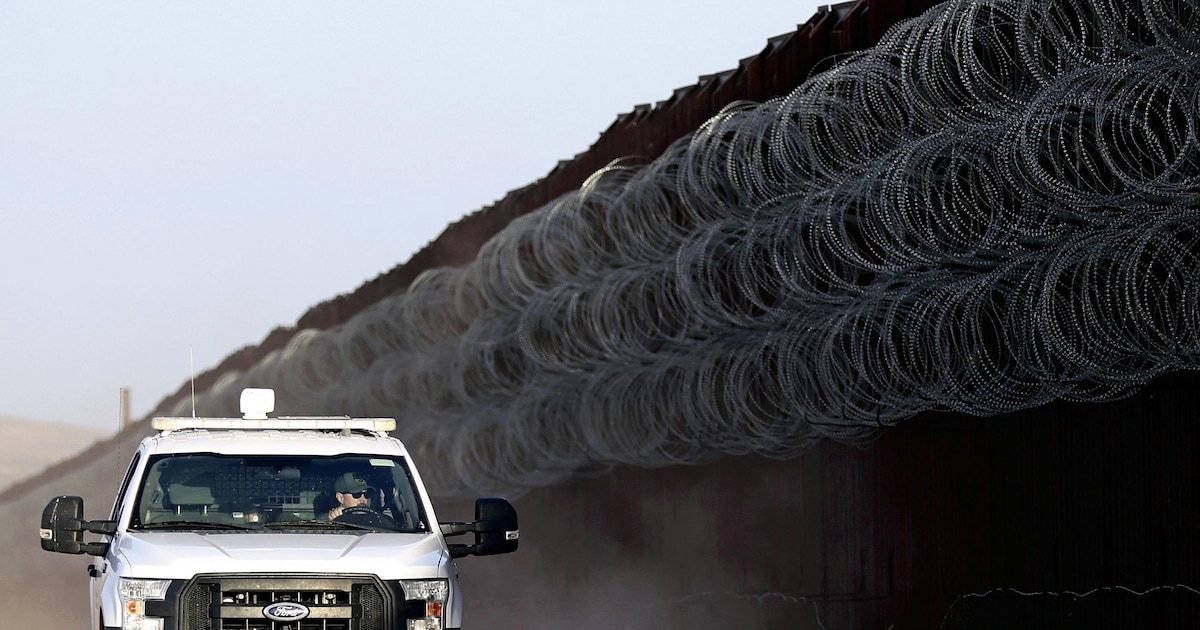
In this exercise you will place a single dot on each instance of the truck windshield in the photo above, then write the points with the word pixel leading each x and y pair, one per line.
pixel 211 492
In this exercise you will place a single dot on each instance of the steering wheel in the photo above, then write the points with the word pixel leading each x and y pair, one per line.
pixel 367 517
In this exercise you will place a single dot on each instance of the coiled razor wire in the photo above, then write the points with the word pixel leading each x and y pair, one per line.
pixel 996 207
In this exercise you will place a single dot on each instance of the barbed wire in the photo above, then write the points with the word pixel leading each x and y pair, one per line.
pixel 996 207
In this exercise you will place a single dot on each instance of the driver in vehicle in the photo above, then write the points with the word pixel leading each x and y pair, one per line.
pixel 351 490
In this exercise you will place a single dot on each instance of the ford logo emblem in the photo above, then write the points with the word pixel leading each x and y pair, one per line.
pixel 285 611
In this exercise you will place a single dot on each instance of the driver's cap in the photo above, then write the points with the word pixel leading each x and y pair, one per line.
pixel 351 482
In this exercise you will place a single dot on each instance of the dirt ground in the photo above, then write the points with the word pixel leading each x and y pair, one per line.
pixel 27 447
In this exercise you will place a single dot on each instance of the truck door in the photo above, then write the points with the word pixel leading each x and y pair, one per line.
pixel 99 570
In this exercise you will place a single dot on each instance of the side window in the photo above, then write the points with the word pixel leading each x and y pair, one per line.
pixel 119 502
pixel 410 516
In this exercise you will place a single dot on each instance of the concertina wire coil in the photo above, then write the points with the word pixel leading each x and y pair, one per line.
pixel 994 208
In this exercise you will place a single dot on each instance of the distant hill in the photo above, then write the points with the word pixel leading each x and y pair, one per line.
pixel 27 447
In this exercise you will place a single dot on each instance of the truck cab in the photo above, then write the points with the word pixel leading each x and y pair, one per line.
pixel 274 523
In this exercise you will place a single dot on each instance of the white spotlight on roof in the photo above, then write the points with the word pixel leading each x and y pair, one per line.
pixel 256 403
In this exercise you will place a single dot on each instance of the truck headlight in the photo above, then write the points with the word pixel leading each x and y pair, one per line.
pixel 434 593
pixel 134 594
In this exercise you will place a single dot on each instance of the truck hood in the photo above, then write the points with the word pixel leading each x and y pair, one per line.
pixel 180 555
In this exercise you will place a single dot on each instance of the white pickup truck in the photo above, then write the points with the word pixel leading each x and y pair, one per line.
pixel 274 523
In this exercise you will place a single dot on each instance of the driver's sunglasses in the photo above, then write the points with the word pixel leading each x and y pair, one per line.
pixel 359 494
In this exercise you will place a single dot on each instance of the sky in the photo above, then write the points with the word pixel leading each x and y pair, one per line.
pixel 177 179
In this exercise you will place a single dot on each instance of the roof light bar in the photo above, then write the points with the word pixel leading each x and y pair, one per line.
pixel 297 423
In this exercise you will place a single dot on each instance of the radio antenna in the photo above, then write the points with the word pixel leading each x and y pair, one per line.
pixel 117 435
pixel 192 365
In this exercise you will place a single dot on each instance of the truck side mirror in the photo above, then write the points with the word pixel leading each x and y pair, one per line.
pixel 495 528
pixel 63 526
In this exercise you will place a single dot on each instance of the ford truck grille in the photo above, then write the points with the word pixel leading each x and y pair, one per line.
pixel 240 602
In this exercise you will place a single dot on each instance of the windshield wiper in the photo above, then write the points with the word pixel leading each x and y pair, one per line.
pixel 314 524
pixel 185 525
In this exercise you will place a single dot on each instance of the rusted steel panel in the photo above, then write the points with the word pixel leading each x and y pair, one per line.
pixel 850 31
pixel 724 90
